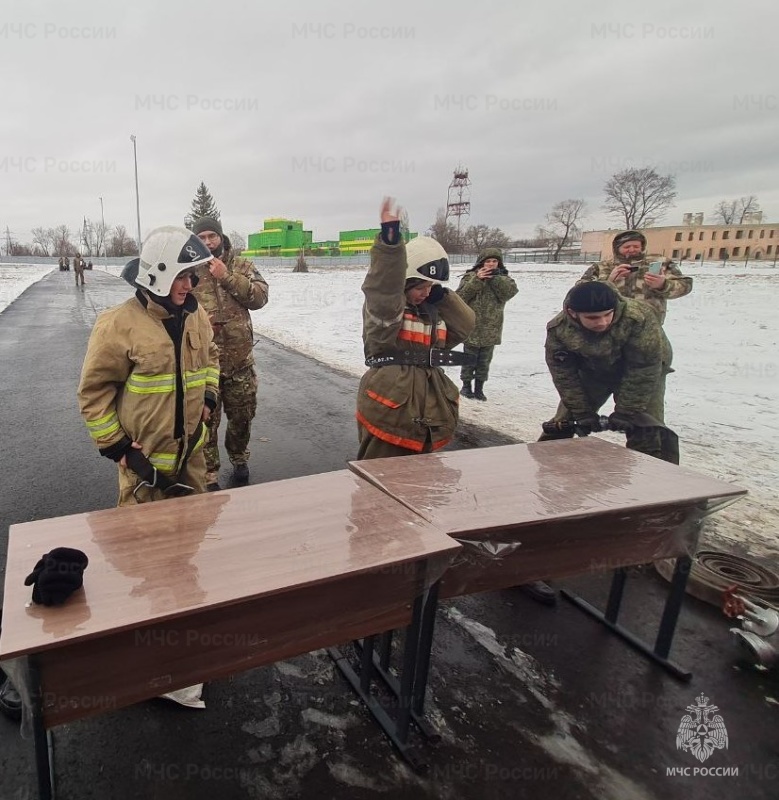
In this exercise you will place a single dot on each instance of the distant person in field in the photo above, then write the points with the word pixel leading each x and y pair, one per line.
pixel 628 271
pixel 486 288
pixel 406 404
pixel 78 269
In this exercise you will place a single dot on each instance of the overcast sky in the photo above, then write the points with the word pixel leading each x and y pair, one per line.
pixel 314 110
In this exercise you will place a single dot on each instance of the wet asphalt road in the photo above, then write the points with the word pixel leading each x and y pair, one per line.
pixel 530 701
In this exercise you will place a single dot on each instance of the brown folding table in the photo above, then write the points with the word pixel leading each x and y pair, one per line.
pixel 198 588
pixel 553 509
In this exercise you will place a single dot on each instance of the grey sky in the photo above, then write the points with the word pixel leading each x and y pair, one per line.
pixel 314 110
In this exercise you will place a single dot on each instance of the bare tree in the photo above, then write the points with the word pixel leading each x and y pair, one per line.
pixel 497 238
pixel 476 237
pixel 444 232
pixel 734 212
pixel 237 242
pixel 563 225
pixel 479 237
pixel 62 244
pixel 43 240
pixel 639 196
pixel 547 238
pixel 121 244
pixel 19 249
pixel 725 212
pixel 747 205
pixel 300 263
pixel 100 232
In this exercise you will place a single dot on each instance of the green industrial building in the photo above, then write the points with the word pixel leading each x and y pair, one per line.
pixel 286 237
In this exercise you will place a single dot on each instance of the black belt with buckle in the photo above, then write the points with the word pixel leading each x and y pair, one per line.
pixel 435 357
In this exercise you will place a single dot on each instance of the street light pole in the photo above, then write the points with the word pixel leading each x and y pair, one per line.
pixel 102 234
pixel 137 200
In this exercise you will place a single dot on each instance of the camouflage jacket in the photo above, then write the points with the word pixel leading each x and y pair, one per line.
pixel 227 303
pixel 630 357
pixel 633 286
pixel 400 403
pixel 487 298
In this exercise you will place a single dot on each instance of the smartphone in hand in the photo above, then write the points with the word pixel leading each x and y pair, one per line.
pixel 655 268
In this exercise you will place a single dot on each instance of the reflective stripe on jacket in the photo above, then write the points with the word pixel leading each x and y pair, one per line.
pixel 129 385
pixel 404 404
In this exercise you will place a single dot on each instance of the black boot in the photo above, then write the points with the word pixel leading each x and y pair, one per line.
pixel 479 393
pixel 467 390
pixel 540 592
pixel 241 474
pixel 10 700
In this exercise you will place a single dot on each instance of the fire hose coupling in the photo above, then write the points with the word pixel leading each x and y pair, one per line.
pixel 583 426
pixel 758 624
pixel 755 618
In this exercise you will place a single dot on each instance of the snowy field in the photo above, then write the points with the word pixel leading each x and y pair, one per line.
pixel 723 399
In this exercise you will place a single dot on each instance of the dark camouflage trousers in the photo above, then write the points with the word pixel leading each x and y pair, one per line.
pixel 238 399
pixel 644 440
pixel 481 369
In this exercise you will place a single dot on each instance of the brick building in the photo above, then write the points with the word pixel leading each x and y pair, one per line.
pixel 696 242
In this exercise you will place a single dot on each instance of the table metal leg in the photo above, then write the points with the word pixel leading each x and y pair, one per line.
pixel 673 604
pixel 615 594
pixel 407 691
pixel 42 740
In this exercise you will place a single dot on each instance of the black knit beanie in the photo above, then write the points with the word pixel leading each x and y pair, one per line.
pixel 591 298
pixel 207 224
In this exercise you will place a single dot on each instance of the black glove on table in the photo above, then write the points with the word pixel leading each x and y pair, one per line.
pixel 57 575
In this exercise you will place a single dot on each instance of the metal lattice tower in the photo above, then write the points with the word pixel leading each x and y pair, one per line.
pixel 458 199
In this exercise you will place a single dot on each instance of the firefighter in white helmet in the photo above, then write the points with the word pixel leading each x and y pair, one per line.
pixel 411 322
pixel 151 373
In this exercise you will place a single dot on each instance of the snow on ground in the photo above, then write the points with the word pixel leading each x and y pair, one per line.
pixel 723 399
pixel 15 278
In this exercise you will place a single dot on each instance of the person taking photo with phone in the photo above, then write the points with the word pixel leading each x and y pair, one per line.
pixel 636 275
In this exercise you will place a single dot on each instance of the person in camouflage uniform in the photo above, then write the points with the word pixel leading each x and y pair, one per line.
pixel 229 288
pixel 486 288
pixel 602 344
pixel 628 272
pixel 78 269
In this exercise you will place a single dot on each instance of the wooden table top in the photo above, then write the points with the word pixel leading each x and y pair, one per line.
pixel 167 559
pixel 469 493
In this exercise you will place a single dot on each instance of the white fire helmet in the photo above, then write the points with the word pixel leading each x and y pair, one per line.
pixel 426 260
pixel 166 253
